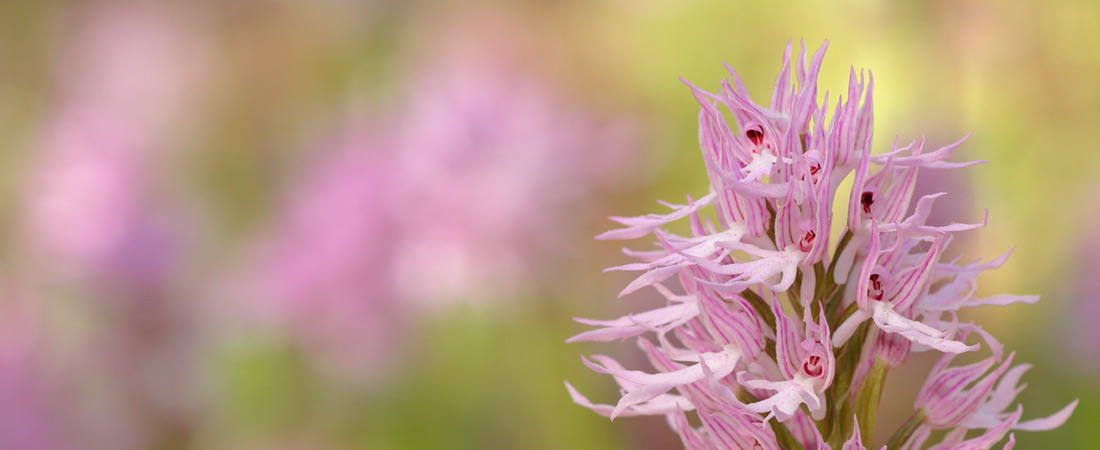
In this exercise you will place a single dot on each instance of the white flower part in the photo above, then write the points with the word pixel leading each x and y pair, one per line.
pixel 848 328
pixel 760 166
pixel 707 246
pixel 637 227
pixel 771 263
pixel 931 160
pixel 992 412
pixel 788 396
pixel 847 258
pixel 688 252
pixel 659 320
pixel 648 386
pixel 658 406
pixel 809 285
pixel 891 321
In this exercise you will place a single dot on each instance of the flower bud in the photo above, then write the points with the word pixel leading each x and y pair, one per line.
pixel 892 349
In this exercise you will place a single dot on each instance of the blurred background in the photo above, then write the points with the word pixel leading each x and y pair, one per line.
pixel 266 224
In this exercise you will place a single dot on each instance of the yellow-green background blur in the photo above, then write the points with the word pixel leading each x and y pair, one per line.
pixel 484 369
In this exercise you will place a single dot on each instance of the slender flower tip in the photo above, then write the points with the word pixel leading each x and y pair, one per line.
pixel 609 235
pixel 573 391
pixel 591 365
pixel 689 84
pixel 579 337
pixel 1049 423
pixel 577 397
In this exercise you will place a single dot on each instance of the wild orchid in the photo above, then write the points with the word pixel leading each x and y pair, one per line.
pixel 775 338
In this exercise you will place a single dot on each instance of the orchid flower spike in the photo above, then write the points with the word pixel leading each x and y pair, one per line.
pixel 769 317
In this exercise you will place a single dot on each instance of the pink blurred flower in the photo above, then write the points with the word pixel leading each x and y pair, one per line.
pixel 96 218
pixel 28 407
pixel 136 63
pixel 90 210
pixel 126 72
pixel 491 165
pixel 461 192
pixel 324 273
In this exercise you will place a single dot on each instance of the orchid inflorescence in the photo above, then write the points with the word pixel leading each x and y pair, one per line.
pixel 778 340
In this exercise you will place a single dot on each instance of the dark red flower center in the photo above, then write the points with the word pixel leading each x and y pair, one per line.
pixel 754 135
pixel 812 366
pixel 867 199
pixel 807 240
pixel 875 290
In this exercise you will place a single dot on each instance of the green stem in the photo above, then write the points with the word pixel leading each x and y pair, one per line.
pixel 906 430
pixel 820 289
pixel 784 437
pixel 867 400
pixel 796 304
pixel 836 436
pixel 846 361
pixel 851 309
pixel 836 253
pixel 795 291
pixel 833 305
pixel 832 293
pixel 771 220
pixel 760 306
pixel 825 425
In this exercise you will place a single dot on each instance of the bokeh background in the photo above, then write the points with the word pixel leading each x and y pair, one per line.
pixel 268 224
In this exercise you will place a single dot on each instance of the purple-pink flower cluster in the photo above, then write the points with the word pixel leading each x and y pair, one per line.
pixel 342 267
pixel 774 337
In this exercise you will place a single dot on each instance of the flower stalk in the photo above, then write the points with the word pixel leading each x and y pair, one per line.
pixel 905 431
pixel 867 400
